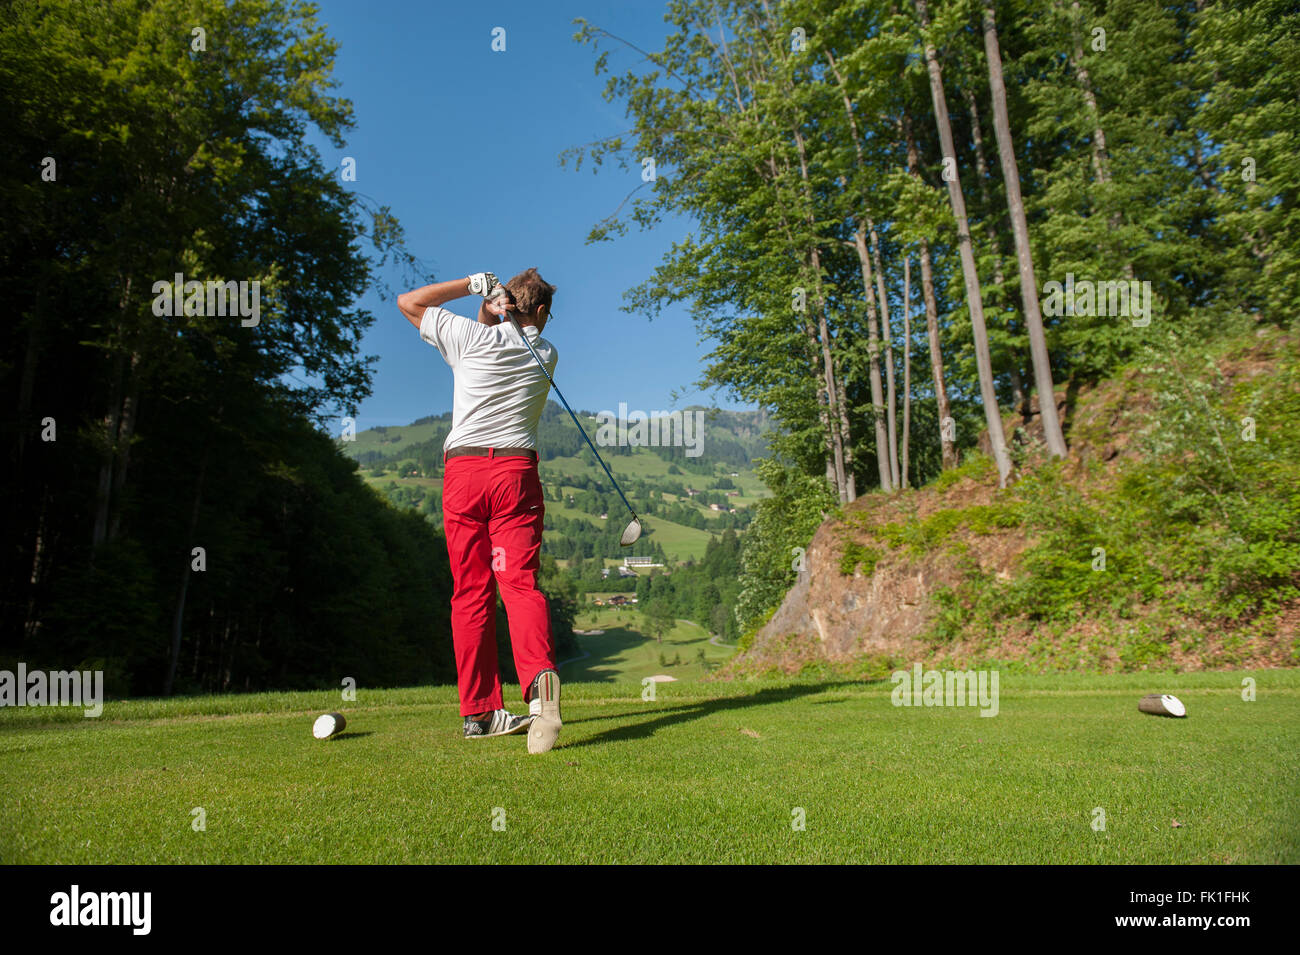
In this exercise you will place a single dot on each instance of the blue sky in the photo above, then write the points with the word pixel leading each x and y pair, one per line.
pixel 463 143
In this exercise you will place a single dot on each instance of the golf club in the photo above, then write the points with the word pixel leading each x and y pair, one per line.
pixel 633 530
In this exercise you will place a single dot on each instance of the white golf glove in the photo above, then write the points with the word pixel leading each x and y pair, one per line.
pixel 483 283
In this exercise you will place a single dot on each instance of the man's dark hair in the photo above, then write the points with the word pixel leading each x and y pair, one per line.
pixel 530 290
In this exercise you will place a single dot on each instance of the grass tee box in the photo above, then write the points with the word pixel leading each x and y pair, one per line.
pixel 763 771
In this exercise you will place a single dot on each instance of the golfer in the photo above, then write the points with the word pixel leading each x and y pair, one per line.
pixel 492 503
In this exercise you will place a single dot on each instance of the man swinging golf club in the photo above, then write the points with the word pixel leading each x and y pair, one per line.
pixel 492 502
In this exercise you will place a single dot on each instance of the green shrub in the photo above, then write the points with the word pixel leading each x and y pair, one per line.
pixel 977 466
pixel 1144 647
pixel 855 554
pixel 950 616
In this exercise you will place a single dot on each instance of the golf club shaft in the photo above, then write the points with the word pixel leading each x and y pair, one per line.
pixel 581 429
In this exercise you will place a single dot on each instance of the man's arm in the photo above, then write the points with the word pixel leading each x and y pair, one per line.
pixel 414 303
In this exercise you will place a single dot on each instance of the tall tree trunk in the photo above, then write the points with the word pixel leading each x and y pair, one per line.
pixel 27 383
pixel 907 364
pixel 178 618
pixel 126 434
pixel 39 566
pixel 832 397
pixel 873 345
pixel 851 481
pixel 1202 168
pixel 104 488
pixel 1020 230
pixel 835 426
pixel 947 438
pixel 32 485
pixel 823 413
pixel 873 357
pixel 1100 157
pixel 832 394
pixel 992 414
pixel 107 493
pixel 947 443
pixel 831 427
pixel 982 174
pixel 1100 152
pixel 1019 395
pixel 887 327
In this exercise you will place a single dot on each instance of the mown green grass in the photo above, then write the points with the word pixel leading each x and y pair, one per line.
pixel 558 509
pixel 678 541
pixel 625 652
pixel 638 464
pixel 704 773
pixel 645 464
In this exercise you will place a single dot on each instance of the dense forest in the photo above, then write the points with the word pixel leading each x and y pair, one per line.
pixel 910 215
pixel 177 514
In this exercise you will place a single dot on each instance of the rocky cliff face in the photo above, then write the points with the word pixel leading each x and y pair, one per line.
pixel 878 610
pixel 876 577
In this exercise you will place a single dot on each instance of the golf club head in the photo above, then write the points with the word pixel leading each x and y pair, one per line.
pixel 631 534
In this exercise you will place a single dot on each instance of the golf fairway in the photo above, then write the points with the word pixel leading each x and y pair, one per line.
pixel 705 773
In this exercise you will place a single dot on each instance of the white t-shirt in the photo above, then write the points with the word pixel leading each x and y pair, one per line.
pixel 500 392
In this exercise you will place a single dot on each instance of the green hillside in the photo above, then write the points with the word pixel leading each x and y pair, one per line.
pixel 390 443
pixel 685 501
pixel 730 438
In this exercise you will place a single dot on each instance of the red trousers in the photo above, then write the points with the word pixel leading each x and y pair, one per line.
pixel 492 510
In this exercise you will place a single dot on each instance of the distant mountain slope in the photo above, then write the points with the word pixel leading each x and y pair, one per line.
pixel 730 438
pixel 684 499
pixel 385 443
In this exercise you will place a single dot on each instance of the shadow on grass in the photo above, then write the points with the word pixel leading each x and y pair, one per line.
pixel 612 653
pixel 352 735
pixel 662 719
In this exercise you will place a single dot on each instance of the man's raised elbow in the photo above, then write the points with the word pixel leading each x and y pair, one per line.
pixel 406 304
